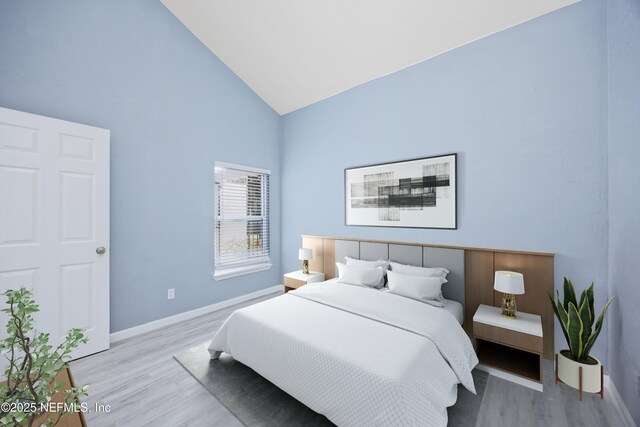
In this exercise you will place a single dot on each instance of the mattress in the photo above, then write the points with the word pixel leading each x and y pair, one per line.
pixel 357 356
pixel 455 308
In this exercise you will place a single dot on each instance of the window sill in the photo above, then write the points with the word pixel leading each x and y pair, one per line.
pixel 240 271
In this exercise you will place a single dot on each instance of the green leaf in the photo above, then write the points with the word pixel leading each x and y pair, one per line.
pixel 594 335
pixel 564 317
pixel 574 328
pixel 591 303
pixel 569 294
pixel 44 360
pixel 562 323
pixel 585 318
pixel 583 296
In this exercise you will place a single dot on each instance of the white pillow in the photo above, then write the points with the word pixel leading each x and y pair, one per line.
pixel 425 289
pixel 418 271
pixel 369 264
pixel 353 275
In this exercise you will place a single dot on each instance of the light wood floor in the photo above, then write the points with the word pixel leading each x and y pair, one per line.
pixel 145 386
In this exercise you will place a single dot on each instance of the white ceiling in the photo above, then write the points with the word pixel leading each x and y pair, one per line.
pixel 294 53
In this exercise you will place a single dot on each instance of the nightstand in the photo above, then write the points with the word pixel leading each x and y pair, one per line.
pixel 296 279
pixel 509 348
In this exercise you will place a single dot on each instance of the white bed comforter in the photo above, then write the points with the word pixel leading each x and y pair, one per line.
pixel 358 356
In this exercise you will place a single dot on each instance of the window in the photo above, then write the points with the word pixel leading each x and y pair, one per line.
pixel 241 220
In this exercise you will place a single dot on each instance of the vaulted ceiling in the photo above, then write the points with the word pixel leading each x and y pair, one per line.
pixel 294 53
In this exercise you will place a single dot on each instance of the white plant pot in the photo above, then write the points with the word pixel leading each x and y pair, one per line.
pixel 569 373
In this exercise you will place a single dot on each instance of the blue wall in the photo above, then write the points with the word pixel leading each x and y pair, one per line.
pixel 173 109
pixel 525 109
pixel 624 199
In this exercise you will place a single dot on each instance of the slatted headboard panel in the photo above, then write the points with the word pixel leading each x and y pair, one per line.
pixel 471 277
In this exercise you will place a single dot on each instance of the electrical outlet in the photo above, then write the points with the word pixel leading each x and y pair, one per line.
pixel 171 293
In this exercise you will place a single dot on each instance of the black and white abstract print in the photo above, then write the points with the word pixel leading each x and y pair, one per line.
pixel 416 193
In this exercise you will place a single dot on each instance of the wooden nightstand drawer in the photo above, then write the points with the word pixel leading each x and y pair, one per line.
pixel 512 338
pixel 293 283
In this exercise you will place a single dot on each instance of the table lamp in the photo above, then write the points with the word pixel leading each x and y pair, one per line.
pixel 305 255
pixel 510 284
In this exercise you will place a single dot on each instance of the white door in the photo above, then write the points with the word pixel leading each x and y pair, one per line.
pixel 54 223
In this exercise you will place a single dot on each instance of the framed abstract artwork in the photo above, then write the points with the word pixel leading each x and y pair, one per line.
pixel 418 193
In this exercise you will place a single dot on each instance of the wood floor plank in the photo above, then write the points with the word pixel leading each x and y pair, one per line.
pixel 144 385
pixel 508 404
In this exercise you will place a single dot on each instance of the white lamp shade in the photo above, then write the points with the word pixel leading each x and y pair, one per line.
pixel 305 253
pixel 509 282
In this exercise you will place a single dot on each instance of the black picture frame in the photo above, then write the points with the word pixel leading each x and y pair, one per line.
pixel 398 163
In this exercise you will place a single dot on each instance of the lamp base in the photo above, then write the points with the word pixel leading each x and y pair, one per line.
pixel 305 266
pixel 509 306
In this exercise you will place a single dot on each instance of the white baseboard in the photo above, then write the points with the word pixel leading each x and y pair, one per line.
pixel 612 394
pixel 161 323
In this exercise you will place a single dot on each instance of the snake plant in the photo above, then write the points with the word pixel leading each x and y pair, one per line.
pixel 577 320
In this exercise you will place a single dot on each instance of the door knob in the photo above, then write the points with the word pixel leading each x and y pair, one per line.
pixel 100 250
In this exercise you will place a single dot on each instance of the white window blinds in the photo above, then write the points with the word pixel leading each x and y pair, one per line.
pixel 241 220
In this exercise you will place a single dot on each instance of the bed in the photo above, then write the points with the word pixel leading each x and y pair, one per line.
pixel 359 356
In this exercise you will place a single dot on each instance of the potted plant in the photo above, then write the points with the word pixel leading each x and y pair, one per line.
pixel 574 366
pixel 37 388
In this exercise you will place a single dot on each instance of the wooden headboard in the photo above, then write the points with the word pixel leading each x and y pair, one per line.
pixel 473 271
